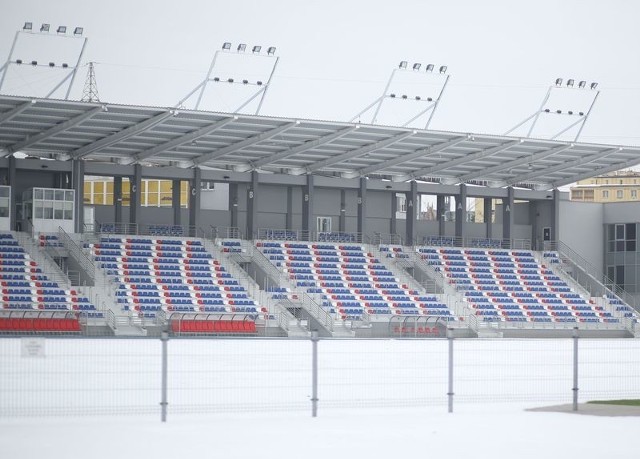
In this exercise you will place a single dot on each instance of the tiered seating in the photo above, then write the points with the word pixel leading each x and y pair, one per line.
pixel 25 287
pixel 393 251
pixel 166 230
pixel 626 310
pixel 350 280
pixel 231 245
pixel 486 243
pixel 205 327
pixel 49 240
pixel 53 324
pixel 170 274
pixel 439 240
pixel 510 285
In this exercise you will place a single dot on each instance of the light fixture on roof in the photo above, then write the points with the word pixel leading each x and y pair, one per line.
pixel 259 83
pixel 417 66
pixel 429 68
pixel 582 84
pixel 443 69
pixel 27 26
pixel 65 65
pixel 226 46
pixel 271 50
pixel 392 95
pixel 570 83
pixel 34 63
pixel 78 31
pixel 570 112
pixel 256 49
pixel 418 98
pixel 52 64
pixel 62 29
pixel 230 80
pixel 594 85
pixel 216 79
pixel 18 61
pixel 45 27
pixel 403 64
pixel 245 81
pixel 558 81
pixel 242 47
pixel 404 96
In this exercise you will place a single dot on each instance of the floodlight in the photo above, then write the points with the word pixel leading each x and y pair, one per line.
pixel 256 49
pixel 570 112
pixel 418 97
pixel 245 81
pixel 78 31
pixel 547 110
pixel 582 84
pixel 594 85
pixel 52 64
pixel 443 69
pixel 403 64
pixel 230 80
pixel 62 29
pixel 216 79
pixel 558 81
pixel 65 65
pixel 392 95
pixel 429 99
pixel 581 113
pixel 417 66
pixel 559 112
pixel 259 83
pixel 404 96
pixel 34 63
pixel 45 27
pixel 242 47
pixel 18 61
pixel 226 45
pixel 429 68
pixel 271 51
pixel 28 26
pixel 570 83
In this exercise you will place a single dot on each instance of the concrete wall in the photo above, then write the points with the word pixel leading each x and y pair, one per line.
pixel 581 228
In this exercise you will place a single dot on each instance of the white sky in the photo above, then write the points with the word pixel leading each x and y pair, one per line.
pixel 335 56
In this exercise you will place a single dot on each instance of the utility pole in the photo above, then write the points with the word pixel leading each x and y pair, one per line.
pixel 90 90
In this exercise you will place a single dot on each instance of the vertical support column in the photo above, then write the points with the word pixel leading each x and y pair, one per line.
pixel 461 214
pixel 176 194
pixel 252 205
pixel 441 214
pixel 450 392
pixel 233 205
pixel 536 240
pixel 164 338
pixel 555 217
pixel 11 180
pixel 362 208
pixel 117 200
pixel 135 193
pixel 195 193
pixel 289 217
pixel 77 172
pixel 412 199
pixel 342 219
pixel 307 209
pixel 314 373
pixel 575 369
pixel 507 219
pixel 393 227
pixel 488 212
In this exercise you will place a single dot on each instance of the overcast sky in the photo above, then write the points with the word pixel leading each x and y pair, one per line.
pixel 335 57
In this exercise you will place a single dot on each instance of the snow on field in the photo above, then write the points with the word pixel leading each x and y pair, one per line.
pixel 378 398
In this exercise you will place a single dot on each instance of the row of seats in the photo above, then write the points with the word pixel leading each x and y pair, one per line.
pixel 12 324
pixel 349 280
pixel 511 285
pixel 214 326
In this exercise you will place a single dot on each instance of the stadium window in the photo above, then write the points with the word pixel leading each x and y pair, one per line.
pixel 324 224
pixel 588 195
pixel 634 194
pixel 630 237
pixel 576 195
pixel 605 194
pixel 619 194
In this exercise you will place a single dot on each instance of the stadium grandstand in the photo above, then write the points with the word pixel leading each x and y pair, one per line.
pixel 136 220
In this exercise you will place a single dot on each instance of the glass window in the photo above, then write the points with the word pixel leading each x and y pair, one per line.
pixel 4 191
pixel 634 194
pixel 38 211
pixel 59 195
pixel 68 211
pixel 619 194
pixel 38 193
pixel 47 210
pixel 631 231
pixel 605 193
pixel 68 195
pixel 619 231
pixel 48 194
pixel 57 210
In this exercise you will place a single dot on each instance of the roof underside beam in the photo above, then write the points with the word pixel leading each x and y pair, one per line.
pixel 594 172
pixel 301 148
pixel 486 172
pixel 242 144
pixel 32 140
pixel 182 139
pixel 358 152
pixel 121 135
pixel 561 166
pixel 10 114
pixel 421 153
pixel 468 158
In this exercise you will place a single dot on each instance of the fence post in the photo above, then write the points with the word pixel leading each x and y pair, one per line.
pixel 575 369
pixel 164 338
pixel 450 392
pixel 314 373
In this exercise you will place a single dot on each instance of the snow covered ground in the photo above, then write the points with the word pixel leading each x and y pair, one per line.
pixel 378 398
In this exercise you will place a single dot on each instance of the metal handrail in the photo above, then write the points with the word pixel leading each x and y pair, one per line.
pixel 76 252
